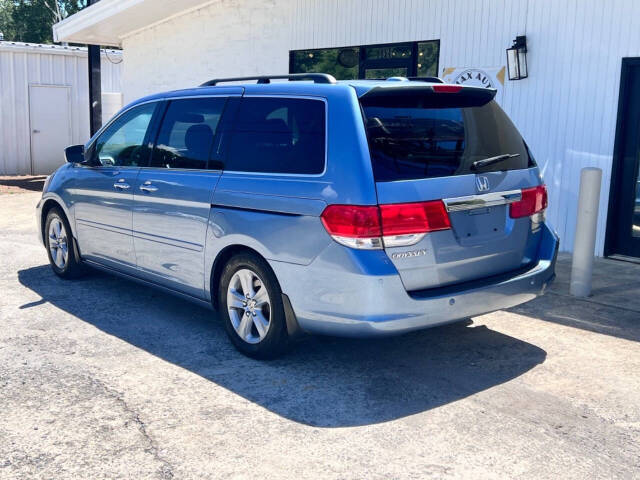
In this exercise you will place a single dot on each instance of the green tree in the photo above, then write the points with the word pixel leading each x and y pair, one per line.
pixel 31 20
pixel 6 19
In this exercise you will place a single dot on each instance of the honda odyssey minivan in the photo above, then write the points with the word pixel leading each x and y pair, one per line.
pixel 352 208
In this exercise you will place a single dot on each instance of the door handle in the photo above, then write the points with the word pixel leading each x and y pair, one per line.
pixel 147 187
pixel 121 184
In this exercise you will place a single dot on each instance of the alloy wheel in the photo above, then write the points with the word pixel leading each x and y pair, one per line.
pixel 249 306
pixel 58 245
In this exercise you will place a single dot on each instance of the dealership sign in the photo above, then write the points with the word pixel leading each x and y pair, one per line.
pixel 477 77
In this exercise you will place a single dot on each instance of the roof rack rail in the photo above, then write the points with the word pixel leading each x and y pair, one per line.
pixel 316 77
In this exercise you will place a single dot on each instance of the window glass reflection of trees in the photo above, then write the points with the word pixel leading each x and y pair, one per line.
pixel 428 54
pixel 342 63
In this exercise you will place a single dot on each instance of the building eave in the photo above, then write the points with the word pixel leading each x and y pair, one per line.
pixel 107 22
pixel 48 49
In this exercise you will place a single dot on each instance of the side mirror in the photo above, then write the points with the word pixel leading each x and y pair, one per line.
pixel 74 154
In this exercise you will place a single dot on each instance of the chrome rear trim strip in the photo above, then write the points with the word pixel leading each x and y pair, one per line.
pixel 482 201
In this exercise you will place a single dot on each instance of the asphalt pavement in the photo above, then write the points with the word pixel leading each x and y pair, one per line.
pixel 104 378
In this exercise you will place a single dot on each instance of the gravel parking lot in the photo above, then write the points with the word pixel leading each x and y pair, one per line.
pixel 103 378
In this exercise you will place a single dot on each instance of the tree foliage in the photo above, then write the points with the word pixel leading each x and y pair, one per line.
pixel 31 20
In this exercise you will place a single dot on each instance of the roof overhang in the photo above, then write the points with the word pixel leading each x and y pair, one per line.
pixel 107 22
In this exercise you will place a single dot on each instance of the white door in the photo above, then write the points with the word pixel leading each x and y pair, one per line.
pixel 50 119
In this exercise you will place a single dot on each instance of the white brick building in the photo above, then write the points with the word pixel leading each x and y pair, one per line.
pixel 567 108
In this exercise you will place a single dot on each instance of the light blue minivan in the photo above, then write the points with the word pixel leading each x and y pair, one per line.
pixel 307 205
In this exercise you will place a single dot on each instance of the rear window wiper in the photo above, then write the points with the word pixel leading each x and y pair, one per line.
pixel 485 162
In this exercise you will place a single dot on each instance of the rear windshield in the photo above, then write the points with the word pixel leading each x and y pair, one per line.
pixel 438 135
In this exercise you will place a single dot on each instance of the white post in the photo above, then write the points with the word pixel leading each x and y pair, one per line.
pixel 585 236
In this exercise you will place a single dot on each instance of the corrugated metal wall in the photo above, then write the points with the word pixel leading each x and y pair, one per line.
pixel 25 64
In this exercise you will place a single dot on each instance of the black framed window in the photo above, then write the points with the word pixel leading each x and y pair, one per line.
pixel 407 59
pixel 392 51
pixel 342 63
pixel 428 59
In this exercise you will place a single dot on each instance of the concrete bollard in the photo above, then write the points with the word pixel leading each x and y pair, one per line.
pixel 585 236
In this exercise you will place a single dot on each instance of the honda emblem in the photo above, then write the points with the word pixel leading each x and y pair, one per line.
pixel 482 183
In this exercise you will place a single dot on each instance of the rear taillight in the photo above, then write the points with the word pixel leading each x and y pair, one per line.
pixel 355 226
pixel 404 224
pixel 534 200
pixel 392 225
pixel 408 218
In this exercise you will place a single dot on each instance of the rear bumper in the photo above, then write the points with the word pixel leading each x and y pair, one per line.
pixel 336 296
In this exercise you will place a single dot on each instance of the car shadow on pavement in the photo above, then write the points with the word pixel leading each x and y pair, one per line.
pixel 585 314
pixel 324 382
pixel 613 308
pixel 25 183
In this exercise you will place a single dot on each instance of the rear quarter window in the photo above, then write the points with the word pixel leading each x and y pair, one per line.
pixel 278 135
pixel 427 136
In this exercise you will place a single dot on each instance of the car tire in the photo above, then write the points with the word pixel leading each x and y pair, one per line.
pixel 251 307
pixel 60 246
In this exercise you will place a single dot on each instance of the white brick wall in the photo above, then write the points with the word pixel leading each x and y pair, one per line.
pixel 228 38
pixel 566 109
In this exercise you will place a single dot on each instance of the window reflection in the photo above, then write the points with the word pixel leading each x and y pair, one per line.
pixel 342 63
pixel 388 52
pixel 370 61
pixel 428 55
